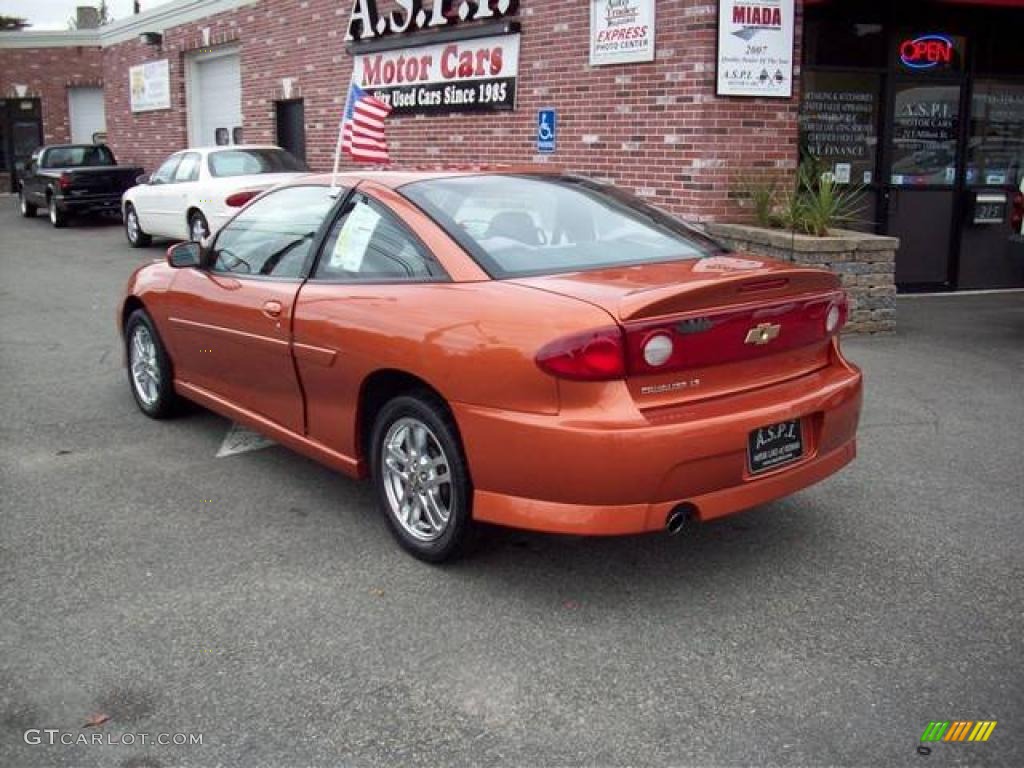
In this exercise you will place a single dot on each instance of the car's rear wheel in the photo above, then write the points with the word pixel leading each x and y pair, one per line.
pixel 198 229
pixel 421 478
pixel 133 230
pixel 58 218
pixel 149 367
pixel 27 209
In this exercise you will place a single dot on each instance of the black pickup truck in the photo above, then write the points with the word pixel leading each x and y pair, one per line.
pixel 70 179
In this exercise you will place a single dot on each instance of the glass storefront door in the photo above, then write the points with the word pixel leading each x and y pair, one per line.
pixel 990 256
pixel 922 104
pixel 923 137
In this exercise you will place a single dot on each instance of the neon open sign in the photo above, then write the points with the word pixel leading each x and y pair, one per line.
pixel 927 52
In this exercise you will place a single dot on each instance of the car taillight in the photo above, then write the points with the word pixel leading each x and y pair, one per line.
pixel 838 311
pixel 658 349
pixel 64 182
pixel 238 199
pixel 1017 215
pixel 597 355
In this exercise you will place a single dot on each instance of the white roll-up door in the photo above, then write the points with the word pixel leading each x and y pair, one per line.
pixel 215 99
pixel 85 107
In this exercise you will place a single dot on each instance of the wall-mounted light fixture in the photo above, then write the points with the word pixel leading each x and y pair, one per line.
pixel 151 38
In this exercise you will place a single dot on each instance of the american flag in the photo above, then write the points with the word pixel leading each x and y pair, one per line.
pixel 362 127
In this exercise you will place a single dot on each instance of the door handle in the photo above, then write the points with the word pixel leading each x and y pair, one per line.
pixel 272 308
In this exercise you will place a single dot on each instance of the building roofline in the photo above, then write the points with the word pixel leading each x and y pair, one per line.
pixel 165 17
pixel 158 19
pixel 50 38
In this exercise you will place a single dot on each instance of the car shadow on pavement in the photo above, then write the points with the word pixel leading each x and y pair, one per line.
pixel 94 222
pixel 771 535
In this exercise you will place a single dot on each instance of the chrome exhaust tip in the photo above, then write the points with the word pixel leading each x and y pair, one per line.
pixel 677 519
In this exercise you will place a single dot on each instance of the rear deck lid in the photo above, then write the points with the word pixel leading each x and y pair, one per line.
pixel 722 324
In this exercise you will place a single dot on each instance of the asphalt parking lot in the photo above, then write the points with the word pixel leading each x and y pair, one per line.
pixel 257 598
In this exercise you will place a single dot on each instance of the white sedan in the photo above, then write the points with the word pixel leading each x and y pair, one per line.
pixel 195 191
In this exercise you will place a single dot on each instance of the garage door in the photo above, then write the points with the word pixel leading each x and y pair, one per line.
pixel 216 100
pixel 85 106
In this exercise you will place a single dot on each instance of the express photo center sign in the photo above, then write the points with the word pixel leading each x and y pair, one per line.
pixel 451 71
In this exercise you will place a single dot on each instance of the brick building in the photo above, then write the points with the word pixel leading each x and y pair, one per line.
pixel 279 70
pixel 656 127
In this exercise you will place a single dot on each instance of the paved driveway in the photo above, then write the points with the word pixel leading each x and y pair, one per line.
pixel 257 599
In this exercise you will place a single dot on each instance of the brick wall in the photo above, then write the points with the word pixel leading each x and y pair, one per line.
pixel 143 138
pixel 48 72
pixel 656 128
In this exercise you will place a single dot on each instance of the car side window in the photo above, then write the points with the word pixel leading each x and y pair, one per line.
pixel 165 172
pixel 188 168
pixel 368 244
pixel 273 236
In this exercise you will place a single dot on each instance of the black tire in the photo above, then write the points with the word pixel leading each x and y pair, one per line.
pixel 140 239
pixel 164 400
pixel 58 218
pixel 458 533
pixel 197 223
pixel 28 210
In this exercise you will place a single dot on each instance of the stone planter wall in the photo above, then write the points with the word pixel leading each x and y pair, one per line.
pixel 865 263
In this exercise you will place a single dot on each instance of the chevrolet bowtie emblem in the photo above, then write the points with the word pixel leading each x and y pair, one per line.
pixel 763 333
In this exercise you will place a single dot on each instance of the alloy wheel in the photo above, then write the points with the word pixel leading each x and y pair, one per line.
pixel 198 229
pixel 53 211
pixel 132 223
pixel 144 365
pixel 417 479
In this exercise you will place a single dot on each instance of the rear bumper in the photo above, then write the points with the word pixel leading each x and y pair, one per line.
pixel 89 203
pixel 569 474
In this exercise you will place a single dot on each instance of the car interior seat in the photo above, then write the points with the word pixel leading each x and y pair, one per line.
pixel 515 225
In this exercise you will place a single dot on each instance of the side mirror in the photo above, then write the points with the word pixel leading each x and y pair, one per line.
pixel 181 255
pixel 142 178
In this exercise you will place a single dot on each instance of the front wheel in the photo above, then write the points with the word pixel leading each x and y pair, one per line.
pixel 133 230
pixel 27 209
pixel 58 218
pixel 420 477
pixel 149 367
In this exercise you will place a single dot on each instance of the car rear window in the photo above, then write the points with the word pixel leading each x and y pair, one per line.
pixel 529 225
pixel 78 157
pixel 247 162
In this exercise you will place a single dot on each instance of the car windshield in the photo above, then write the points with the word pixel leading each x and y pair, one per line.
pixel 534 225
pixel 247 162
pixel 82 156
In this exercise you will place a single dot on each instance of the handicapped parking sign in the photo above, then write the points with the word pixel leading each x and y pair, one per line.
pixel 547 122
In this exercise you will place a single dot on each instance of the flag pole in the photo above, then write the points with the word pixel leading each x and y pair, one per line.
pixel 337 160
pixel 337 147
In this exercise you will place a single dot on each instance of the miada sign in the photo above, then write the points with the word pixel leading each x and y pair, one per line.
pixel 366 22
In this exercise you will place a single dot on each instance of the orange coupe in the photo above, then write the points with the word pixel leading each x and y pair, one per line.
pixel 529 349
